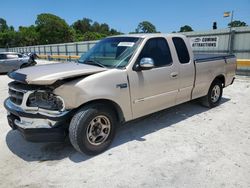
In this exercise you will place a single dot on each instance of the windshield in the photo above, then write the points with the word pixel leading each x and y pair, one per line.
pixel 111 52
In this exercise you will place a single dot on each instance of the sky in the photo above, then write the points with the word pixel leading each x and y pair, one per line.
pixel 124 16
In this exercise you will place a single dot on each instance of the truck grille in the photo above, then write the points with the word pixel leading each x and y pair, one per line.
pixel 16 96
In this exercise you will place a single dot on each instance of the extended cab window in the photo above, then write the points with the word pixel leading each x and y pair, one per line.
pixel 158 50
pixel 181 50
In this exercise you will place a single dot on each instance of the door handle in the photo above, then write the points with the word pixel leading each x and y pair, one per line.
pixel 174 74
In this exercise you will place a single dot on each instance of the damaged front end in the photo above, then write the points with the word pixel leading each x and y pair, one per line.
pixel 37 112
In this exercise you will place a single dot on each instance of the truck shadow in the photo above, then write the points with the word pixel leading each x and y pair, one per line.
pixel 134 130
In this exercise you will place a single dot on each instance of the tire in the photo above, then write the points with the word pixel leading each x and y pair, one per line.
pixel 86 131
pixel 214 95
pixel 28 64
pixel 23 66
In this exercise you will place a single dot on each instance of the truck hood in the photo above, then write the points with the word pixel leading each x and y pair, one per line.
pixel 50 73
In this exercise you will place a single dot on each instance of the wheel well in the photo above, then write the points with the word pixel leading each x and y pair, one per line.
pixel 23 65
pixel 221 78
pixel 108 103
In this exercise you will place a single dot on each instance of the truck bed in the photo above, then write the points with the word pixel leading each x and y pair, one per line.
pixel 200 57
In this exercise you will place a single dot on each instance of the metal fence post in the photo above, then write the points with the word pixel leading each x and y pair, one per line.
pixel 66 49
pixel 88 46
pixel 58 52
pixel 50 48
pixel 232 40
pixel 39 52
pixel 76 48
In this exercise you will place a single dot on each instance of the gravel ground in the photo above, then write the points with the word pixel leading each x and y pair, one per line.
pixel 184 146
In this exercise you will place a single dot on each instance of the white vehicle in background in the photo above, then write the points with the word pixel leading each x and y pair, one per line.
pixel 120 79
pixel 10 61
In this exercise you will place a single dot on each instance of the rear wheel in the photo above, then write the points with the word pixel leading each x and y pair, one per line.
pixel 214 95
pixel 92 129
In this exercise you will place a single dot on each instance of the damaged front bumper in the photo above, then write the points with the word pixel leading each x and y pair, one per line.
pixel 38 126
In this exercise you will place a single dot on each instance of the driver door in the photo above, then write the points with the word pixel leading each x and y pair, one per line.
pixel 155 89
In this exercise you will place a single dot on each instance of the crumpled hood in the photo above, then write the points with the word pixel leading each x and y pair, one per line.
pixel 50 73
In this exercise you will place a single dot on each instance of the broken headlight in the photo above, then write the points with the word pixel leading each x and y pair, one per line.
pixel 45 100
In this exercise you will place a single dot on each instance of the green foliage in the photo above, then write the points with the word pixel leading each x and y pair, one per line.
pixel 53 29
pixel 86 25
pixel 82 26
pixel 145 27
pixel 8 39
pixel 186 28
pixel 93 36
pixel 8 36
pixel 237 23
pixel 3 25
pixel 28 36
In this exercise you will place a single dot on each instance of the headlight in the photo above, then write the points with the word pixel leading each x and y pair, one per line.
pixel 45 100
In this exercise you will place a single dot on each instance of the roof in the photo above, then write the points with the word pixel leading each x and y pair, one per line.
pixel 148 35
pixel 8 52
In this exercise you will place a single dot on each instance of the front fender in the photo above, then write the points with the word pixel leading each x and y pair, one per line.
pixel 103 85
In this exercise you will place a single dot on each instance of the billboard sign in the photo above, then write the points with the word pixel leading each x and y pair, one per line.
pixel 207 42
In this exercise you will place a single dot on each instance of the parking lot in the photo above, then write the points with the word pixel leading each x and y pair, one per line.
pixel 184 146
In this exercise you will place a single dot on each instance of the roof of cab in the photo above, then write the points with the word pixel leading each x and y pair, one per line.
pixel 147 35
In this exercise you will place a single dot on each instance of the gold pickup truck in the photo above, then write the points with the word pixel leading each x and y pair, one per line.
pixel 120 79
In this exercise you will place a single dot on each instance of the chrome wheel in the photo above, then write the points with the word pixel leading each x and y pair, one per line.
pixel 215 95
pixel 98 130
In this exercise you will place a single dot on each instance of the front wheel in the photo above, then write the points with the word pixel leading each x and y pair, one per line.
pixel 92 129
pixel 214 95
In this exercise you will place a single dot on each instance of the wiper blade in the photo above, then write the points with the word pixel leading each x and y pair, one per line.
pixel 94 62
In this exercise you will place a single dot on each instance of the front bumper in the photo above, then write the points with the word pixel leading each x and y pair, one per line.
pixel 38 127
pixel 18 111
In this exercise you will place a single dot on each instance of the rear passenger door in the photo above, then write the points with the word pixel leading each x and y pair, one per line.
pixel 186 69
pixel 155 89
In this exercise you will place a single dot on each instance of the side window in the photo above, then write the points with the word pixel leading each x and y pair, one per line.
pixel 181 50
pixel 158 50
pixel 12 56
pixel 20 55
pixel 2 56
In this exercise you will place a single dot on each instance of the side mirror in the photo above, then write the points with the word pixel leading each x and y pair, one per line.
pixel 146 63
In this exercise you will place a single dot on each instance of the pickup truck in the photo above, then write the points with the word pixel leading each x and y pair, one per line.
pixel 120 79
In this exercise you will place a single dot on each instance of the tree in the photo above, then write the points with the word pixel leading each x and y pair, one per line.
pixel 82 26
pixel 28 36
pixel 237 23
pixel 85 30
pixel 3 25
pixel 9 39
pixel 50 29
pixel 114 32
pixel 93 36
pixel 186 28
pixel 11 28
pixel 104 28
pixel 145 27
pixel 53 29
